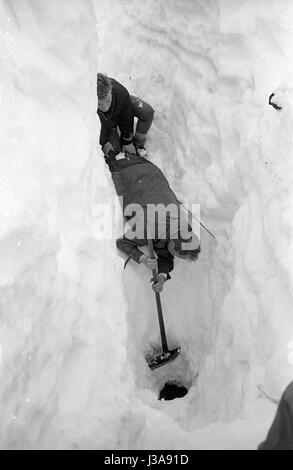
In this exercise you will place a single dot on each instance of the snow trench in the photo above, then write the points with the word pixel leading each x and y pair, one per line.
pixel 74 325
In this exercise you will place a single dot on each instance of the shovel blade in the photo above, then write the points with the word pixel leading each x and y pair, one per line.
pixel 158 361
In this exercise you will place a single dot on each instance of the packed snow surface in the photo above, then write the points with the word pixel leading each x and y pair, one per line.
pixel 74 325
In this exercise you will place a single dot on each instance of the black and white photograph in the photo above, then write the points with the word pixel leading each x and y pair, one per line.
pixel 146 228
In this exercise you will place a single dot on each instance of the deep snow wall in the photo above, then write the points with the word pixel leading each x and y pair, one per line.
pixel 58 381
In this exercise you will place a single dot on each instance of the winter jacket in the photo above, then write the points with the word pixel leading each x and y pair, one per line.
pixel 280 436
pixel 120 114
pixel 140 181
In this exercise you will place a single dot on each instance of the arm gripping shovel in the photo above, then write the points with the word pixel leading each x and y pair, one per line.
pixel 167 355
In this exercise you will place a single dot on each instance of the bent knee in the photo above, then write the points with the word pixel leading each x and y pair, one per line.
pixel 149 112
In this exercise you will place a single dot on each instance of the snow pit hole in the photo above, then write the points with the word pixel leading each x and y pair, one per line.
pixel 172 390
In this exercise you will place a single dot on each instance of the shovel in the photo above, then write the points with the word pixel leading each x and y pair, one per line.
pixel 167 355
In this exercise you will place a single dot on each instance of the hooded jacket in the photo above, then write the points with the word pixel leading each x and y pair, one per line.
pixel 141 182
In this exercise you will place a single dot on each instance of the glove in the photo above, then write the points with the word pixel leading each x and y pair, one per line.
pixel 149 262
pixel 107 148
pixel 158 286
pixel 129 148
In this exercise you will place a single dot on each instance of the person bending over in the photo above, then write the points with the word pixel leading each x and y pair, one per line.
pixel 116 110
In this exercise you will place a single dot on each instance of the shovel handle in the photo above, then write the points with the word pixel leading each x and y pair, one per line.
pixel 152 253
pixel 158 302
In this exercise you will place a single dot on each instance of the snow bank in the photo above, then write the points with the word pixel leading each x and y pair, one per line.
pixel 62 324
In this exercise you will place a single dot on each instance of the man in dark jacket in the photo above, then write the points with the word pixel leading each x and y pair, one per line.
pixel 116 110
pixel 142 183
pixel 280 436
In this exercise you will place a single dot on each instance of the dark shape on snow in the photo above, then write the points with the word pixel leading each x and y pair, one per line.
pixel 172 390
pixel 280 436
pixel 278 108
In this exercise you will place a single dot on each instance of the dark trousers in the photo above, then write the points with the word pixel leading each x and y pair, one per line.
pixel 144 114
